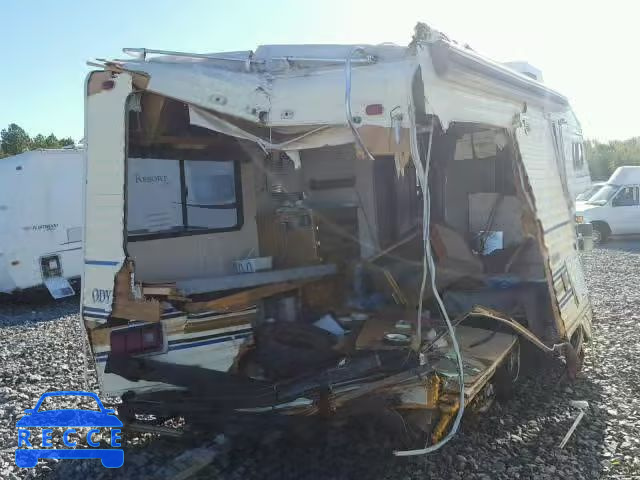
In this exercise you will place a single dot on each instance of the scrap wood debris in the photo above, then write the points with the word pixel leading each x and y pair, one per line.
pixel 517 439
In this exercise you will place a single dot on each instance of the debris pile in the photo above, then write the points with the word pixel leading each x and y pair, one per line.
pixel 40 350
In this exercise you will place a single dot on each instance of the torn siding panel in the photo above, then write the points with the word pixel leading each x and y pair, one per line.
pixel 281 100
pixel 297 139
pixel 213 349
pixel 538 156
pixel 234 93
pixel 104 197
pixel 574 305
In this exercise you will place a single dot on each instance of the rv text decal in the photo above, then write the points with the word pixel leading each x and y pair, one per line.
pixel 101 295
pixel 152 179
pixel 49 227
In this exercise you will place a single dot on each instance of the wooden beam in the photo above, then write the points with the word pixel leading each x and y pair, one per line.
pixel 241 300
pixel 152 121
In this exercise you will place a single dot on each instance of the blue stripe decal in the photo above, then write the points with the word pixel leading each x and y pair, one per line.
pixel 93 309
pixel 200 344
pixel 559 273
pixel 102 357
pixel 102 313
pixel 555 227
pixel 565 298
pixel 239 313
pixel 103 263
pixel 182 341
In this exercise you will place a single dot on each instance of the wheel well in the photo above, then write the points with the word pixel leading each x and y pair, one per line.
pixel 604 225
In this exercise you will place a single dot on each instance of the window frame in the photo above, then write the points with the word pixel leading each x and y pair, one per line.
pixel 239 203
pixel 577 152
pixel 636 191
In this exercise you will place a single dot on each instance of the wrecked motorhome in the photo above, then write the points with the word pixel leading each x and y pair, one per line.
pixel 330 230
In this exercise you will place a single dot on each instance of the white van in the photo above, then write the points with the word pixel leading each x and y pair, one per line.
pixel 615 208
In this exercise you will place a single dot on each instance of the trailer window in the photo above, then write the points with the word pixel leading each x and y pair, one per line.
pixel 211 195
pixel 578 155
pixel 167 198
pixel 154 196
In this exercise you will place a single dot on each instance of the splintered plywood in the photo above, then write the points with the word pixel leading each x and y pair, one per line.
pixel 129 308
pixel 480 361
pixel 241 300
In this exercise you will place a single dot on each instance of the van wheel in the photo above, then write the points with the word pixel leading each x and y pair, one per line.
pixel 600 233
pixel 507 374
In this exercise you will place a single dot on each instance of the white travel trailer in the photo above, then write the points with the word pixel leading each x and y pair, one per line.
pixel 326 229
pixel 41 220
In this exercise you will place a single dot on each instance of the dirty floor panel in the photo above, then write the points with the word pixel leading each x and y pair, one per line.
pixel 40 351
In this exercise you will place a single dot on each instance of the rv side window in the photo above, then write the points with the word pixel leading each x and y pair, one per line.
pixel 167 198
pixel 627 197
pixel 211 195
pixel 578 155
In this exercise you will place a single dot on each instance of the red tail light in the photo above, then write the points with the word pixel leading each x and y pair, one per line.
pixel 137 340
pixel 374 109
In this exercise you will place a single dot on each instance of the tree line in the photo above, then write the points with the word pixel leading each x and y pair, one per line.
pixel 604 158
pixel 14 140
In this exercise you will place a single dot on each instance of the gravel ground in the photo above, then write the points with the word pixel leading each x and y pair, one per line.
pixel 40 350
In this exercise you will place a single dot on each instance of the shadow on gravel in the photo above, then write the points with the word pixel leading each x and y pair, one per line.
pixel 629 243
pixel 18 310
pixel 517 439
pixel 525 432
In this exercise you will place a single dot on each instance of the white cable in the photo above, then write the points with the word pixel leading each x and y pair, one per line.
pixel 427 261
pixel 428 265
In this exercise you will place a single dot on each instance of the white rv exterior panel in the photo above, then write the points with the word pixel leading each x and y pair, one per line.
pixel 40 215
pixel 538 156
pixel 104 200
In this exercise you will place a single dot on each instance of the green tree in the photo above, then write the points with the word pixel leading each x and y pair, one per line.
pixel 39 141
pixel 14 140
pixel 604 158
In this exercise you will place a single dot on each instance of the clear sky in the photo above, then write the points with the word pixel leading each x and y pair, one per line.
pixel 587 50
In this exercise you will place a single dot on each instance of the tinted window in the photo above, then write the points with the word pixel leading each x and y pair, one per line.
pixel 626 197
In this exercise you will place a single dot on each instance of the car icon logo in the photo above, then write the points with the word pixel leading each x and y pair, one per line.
pixel 68 418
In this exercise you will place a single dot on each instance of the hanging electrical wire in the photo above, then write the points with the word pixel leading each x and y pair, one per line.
pixel 429 268
pixel 428 264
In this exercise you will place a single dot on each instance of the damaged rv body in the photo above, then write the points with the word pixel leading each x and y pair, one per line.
pixel 324 230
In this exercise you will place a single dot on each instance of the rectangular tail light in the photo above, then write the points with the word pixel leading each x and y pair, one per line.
pixel 137 340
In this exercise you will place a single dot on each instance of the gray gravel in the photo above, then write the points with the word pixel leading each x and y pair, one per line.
pixel 40 350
